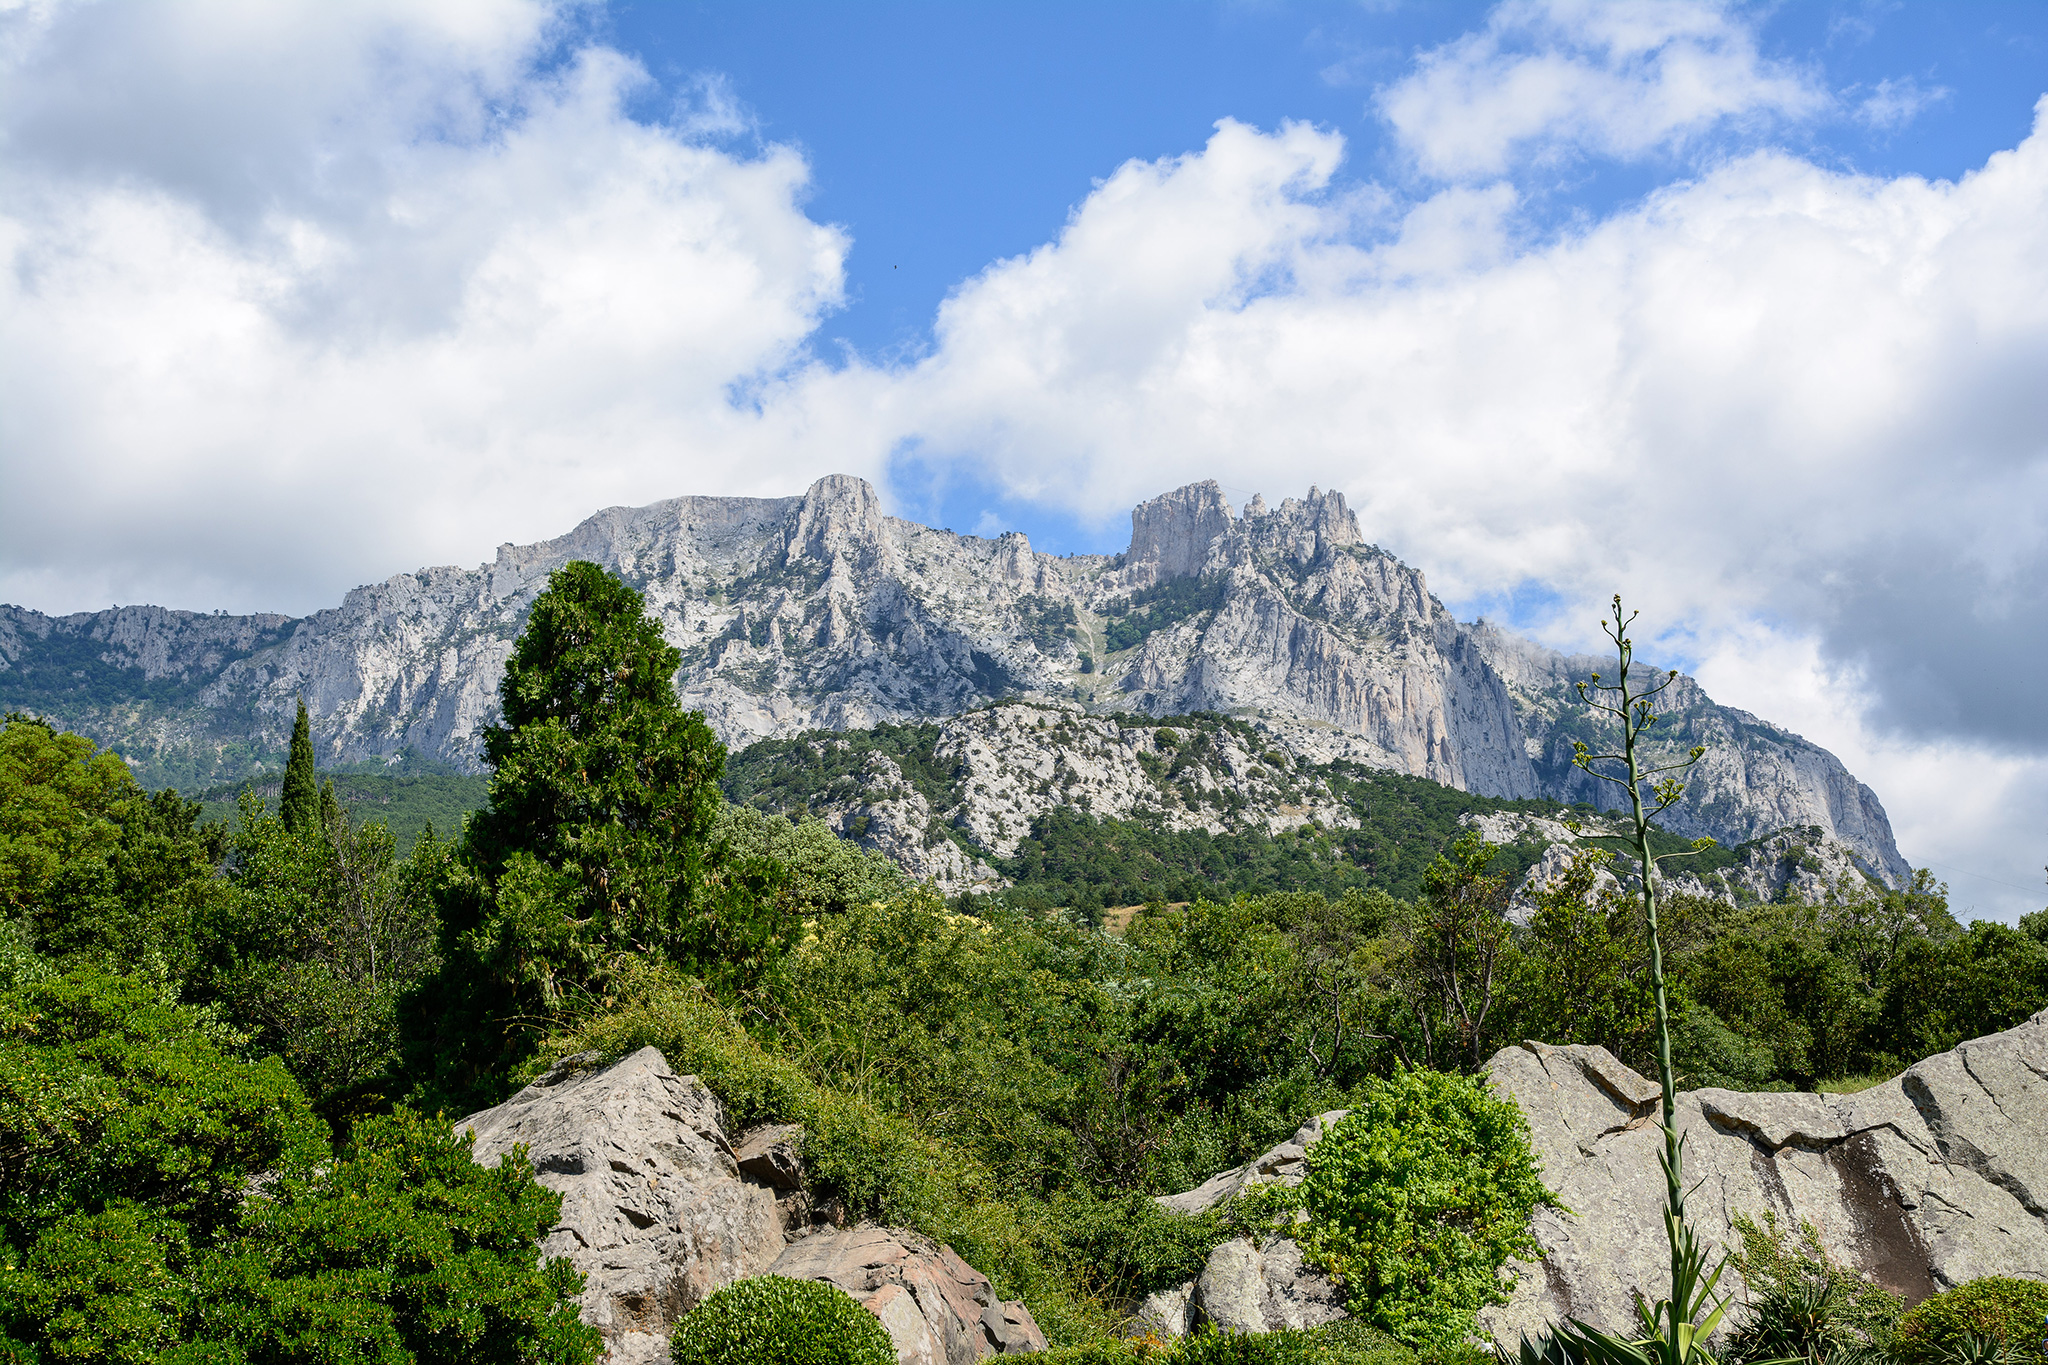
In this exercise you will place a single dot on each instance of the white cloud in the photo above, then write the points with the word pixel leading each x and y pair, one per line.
pixel 318 291
pixel 328 292
pixel 1551 79
pixel 1895 103
pixel 1777 394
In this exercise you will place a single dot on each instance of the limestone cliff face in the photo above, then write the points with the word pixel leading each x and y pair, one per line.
pixel 1755 778
pixel 820 612
pixel 1314 624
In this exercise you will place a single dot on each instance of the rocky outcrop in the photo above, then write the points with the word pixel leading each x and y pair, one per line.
pixel 1801 864
pixel 655 1212
pixel 1248 1285
pixel 1264 1286
pixel 939 1310
pixel 660 1207
pixel 1930 1179
pixel 820 612
pixel 1286 1164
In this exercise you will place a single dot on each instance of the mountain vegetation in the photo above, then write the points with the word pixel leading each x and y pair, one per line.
pixel 231 1052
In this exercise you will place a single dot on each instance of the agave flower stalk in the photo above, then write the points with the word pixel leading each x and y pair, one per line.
pixel 1675 1330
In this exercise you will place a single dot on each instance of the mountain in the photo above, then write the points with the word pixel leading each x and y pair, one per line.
pixel 819 613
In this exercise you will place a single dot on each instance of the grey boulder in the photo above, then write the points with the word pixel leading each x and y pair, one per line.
pixel 655 1211
pixel 1250 1287
pixel 1247 1286
pixel 938 1309
pixel 1935 1177
pixel 1286 1164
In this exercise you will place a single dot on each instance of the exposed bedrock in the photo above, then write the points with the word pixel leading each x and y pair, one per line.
pixel 1935 1177
pixel 820 612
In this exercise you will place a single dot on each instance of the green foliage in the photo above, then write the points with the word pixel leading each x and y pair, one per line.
pixel 1449 953
pixel 161 1199
pixel 2009 1312
pixel 1047 623
pixel 299 799
pixel 1938 991
pixel 1418 1198
pixel 1338 1343
pixel 1073 858
pixel 1128 620
pixel 1803 1304
pixel 791 775
pixel 111 1094
pixel 315 943
pixel 404 1249
pixel 596 846
pixel 409 797
pixel 774 1320
pixel 89 864
pixel 823 873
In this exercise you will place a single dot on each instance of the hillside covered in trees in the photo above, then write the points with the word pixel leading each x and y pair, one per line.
pixel 231 1051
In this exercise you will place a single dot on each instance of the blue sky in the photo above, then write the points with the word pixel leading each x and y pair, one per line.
pixel 946 136
pixel 1742 307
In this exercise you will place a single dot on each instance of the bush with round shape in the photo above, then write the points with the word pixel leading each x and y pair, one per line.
pixel 774 1320
pixel 1997 1308
pixel 1416 1201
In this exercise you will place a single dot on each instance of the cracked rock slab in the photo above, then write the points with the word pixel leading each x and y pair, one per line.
pixel 655 1212
pixel 1935 1177
pixel 1251 1287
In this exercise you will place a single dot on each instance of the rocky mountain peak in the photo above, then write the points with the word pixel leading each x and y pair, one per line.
pixel 840 516
pixel 1302 530
pixel 1192 531
pixel 1176 535
pixel 817 611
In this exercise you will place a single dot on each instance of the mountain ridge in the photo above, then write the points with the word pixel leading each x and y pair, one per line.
pixel 817 611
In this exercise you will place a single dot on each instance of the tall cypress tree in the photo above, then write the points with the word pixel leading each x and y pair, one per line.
pixel 299 803
pixel 597 842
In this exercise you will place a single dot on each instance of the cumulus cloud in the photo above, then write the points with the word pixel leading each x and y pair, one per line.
pixel 1778 388
pixel 300 292
pixel 1552 79
pixel 298 296
pixel 1796 410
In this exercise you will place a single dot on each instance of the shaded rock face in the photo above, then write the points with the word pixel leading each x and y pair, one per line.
pixel 1933 1178
pixel 660 1208
pixel 819 612
pixel 939 1310
pixel 655 1212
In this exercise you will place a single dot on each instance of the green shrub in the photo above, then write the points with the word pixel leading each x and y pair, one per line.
pixel 2003 1309
pixel 1802 1302
pixel 878 1162
pixel 1418 1198
pixel 774 1320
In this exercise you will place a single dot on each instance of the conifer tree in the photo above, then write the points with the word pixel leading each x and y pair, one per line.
pixel 330 808
pixel 598 840
pixel 299 803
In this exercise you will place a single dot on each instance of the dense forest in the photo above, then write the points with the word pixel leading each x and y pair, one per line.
pixel 231 1050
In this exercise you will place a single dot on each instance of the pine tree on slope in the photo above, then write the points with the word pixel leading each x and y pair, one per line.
pixel 299 803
